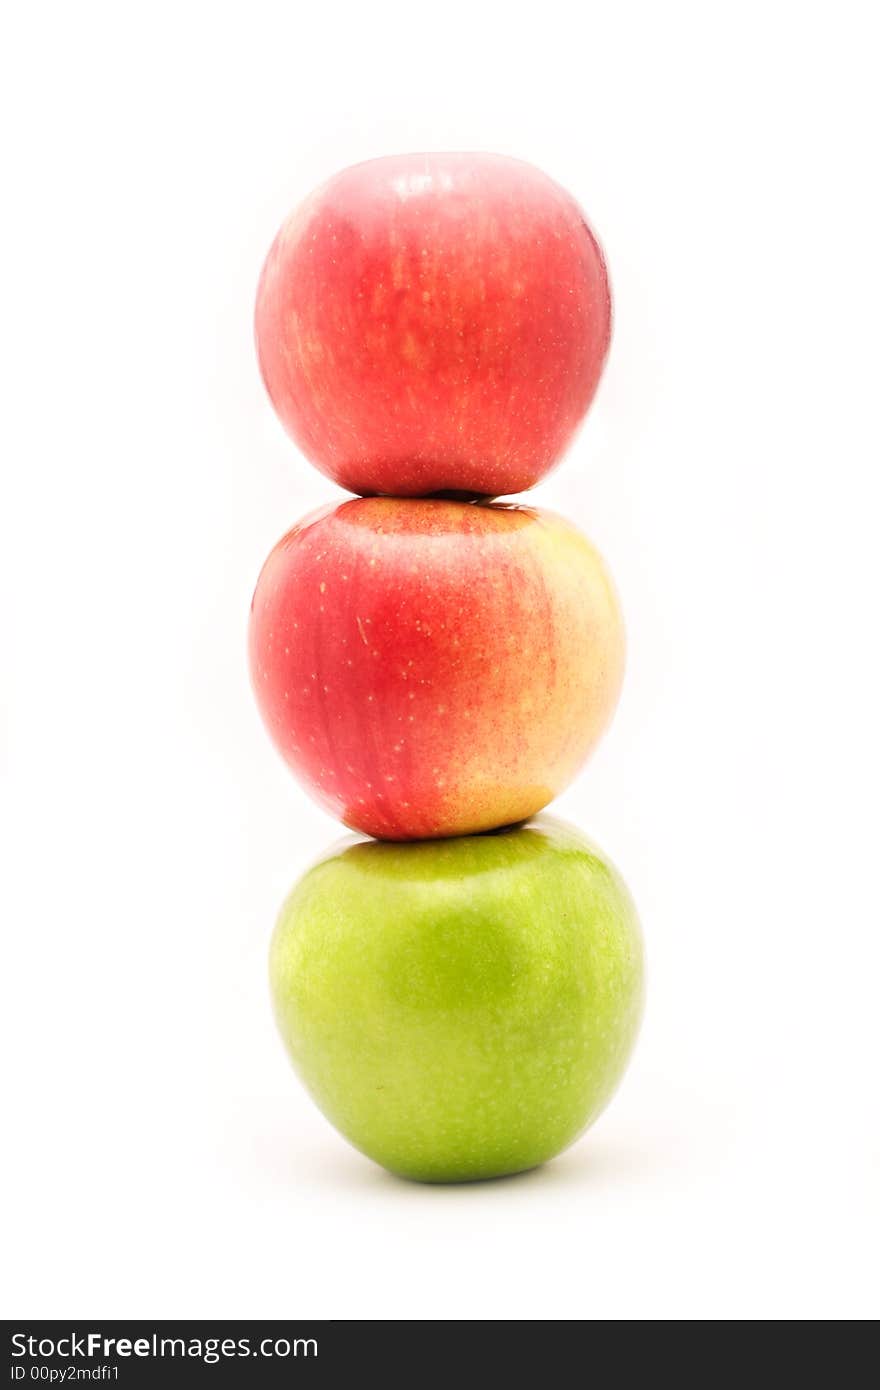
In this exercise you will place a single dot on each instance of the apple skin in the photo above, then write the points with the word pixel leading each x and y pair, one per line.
pixel 465 1008
pixel 432 668
pixel 434 323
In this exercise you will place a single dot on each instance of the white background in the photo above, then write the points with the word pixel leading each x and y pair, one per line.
pixel 161 1159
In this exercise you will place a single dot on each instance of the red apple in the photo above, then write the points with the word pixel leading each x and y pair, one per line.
pixel 434 323
pixel 433 668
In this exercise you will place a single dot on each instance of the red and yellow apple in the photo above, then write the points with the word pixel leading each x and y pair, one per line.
pixel 431 667
pixel 434 323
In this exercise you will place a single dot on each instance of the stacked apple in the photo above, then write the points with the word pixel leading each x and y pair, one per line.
pixel 461 994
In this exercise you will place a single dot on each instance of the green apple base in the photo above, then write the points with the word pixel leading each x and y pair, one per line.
pixel 460 1009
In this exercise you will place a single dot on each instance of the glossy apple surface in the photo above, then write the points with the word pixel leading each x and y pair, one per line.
pixel 434 323
pixel 463 1008
pixel 432 668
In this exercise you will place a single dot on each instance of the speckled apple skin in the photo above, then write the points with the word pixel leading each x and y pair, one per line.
pixel 434 323
pixel 465 1008
pixel 434 668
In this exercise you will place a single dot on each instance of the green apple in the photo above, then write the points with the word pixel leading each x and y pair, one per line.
pixel 461 1008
